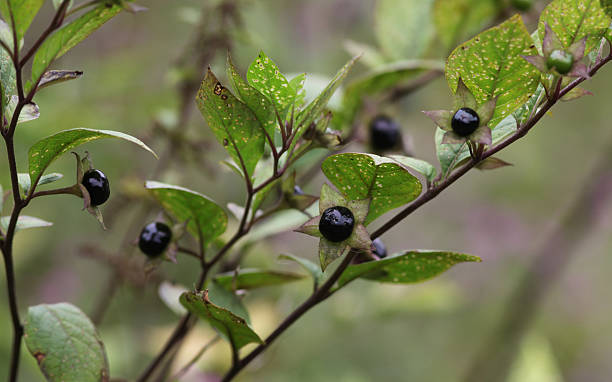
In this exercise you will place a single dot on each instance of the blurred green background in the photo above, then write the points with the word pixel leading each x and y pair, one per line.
pixel 368 332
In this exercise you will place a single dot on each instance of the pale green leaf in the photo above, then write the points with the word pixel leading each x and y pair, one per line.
pixel 457 20
pixel 7 69
pixel 170 293
pixel 404 268
pixel 52 77
pixel 235 126
pixel 491 66
pixel 203 215
pixel 65 344
pixel 45 151
pixel 312 268
pixel 424 167
pixel 24 222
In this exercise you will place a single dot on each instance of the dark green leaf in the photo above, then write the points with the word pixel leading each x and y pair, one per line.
pixel 572 20
pixel 408 267
pixel 490 65
pixel 232 122
pixel 192 207
pixel 24 222
pixel 22 11
pixel 457 20
pixel 70 35
pixel 264 75
pixel 234 328
pixel 404 28
pixel 65 344
pixel 363 176
pixel 45 151
pixel 255 278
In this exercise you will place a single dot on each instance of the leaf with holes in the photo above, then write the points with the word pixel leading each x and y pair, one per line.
pixel 233 123
pixel 255 278
pixel 261 106
pixel 233 328
pixel 264 75
pixel 70 35
pixel 362 176
pixel 47 150
pixel 65 344
pixel 573 20
pixel 491 66
pixel 404 28
pixel 405 268
pixel 24 222
pixel 376 83
pixel 457 20
pixel 203 216
pixel 22 11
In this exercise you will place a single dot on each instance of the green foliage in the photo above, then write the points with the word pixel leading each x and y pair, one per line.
pixel 70 35
pixel 490 65
pixel 403 27
pixel 364 176
pixel 24 222
pixel 312 268
pixel 264 75
pixel 407 267
pixel 22 11
pixel 28 112
pixel 232 327
pixel 423 167
pixel 233 123
pixel 203 216
pixel 573 20
pixel 7 69
pixel 45 151
pixel 65 344
pixel 457 20
pixel 255 278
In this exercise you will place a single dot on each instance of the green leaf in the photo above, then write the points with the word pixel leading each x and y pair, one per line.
pixel 7 69
pixel 372 58
pixel 22 11
pixel 261 106
pixel 451 155
pixel 227 299
pixel 57 3
pixel 233 123
pixel 312 268
pixel 572 20
pixel 24 222
pixel 70 35
pixel 408 267
pixel 52 77
pixel 234 328
pixel 316 108
pixel 255 278
pixel 192 207
pixel 29 112
pixel 264 75
pixel 524 112
pixel 363 176
pixel 457 20
pixel 377 82
pixel 65 344
pixel 424 167
pixel 404 28
pixel 491 65
pixel 45 151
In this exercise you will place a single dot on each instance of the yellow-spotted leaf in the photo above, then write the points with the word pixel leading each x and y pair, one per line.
pixel 491 66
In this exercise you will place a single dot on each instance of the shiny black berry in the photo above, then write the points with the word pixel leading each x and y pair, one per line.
pixel 561 61
pixel 96 184
pixel 336 223
pixel 465 121
pixel 384 133
pixel 154 239
pixel 379 248
pixel 297 190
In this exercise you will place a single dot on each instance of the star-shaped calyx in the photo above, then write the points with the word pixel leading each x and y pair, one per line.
pixel 339 226
pixel 557 60
pixel 468 120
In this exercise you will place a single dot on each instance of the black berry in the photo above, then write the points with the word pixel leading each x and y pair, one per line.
pixel 561 61
pixel 465 121
pixel 379 248
pixel 337 223
pixel 154 239
pixel 96 184
pixel 384 133
pixel 297 190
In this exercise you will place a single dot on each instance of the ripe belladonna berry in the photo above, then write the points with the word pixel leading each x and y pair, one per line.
pixel 96 184
pixel 465 121
pixel 380 249
pixel 561 61
pixel 384 133
pixel 336 223
pixel 154 239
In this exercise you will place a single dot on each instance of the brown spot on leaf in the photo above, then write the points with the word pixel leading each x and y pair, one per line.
pixel 218 88
pixel 223 96
pixel 39 357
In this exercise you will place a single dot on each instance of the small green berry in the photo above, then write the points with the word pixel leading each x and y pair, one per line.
pixel 561 61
